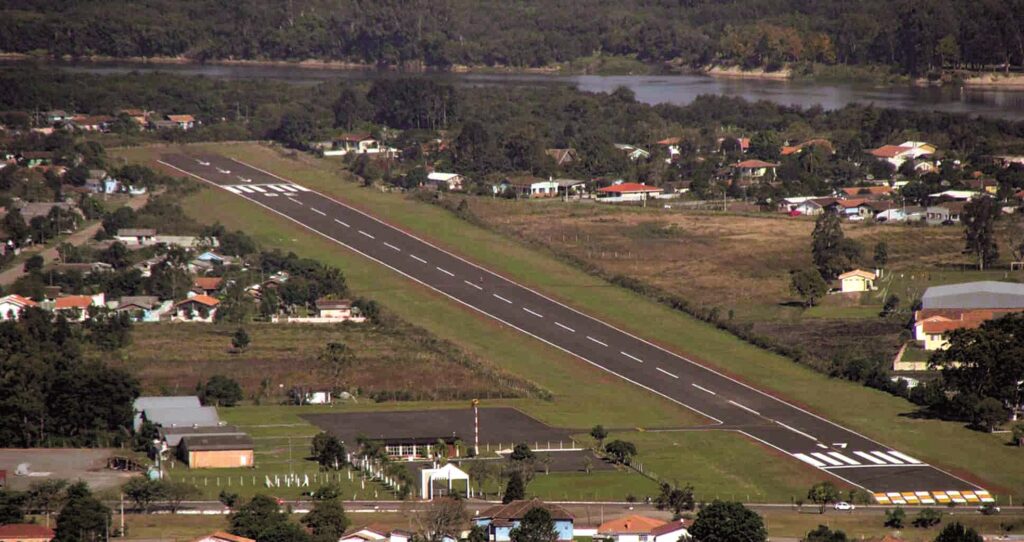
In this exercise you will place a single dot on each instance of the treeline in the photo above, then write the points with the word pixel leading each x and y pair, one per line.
pixel 50 395
pixel 910 35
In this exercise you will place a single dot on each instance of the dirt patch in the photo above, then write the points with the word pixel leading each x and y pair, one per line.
pixel 89 465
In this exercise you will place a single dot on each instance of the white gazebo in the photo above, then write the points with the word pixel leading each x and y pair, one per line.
pixel 448 473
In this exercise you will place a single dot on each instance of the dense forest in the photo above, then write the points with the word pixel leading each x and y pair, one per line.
pixel 912 36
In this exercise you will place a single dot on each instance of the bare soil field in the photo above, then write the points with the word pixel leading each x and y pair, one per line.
pixel 89 465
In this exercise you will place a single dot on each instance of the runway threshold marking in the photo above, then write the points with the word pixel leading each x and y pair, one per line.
pixel 869 457
pixel 502 298
pixel 537 314
pixel 565 327
pixel 596 341
pixel 666 372
pixel 477 286
pixel 703 389
pixel 744 407
pixel 631 356
pixel 392 247
pixel 445 271
pixel 342 223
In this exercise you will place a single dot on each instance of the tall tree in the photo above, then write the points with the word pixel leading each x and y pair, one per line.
pixel 84 518
pixel 956 532
pixel 256 517
pixel 536 526
pixel 443 518
pixel 979 219
pixel 516 488
pixel 327 520
pixel 831 252
pixel 728 522
pixel 822 494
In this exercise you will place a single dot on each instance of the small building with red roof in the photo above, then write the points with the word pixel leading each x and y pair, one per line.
pixel 196 308
pixel 12 305
pixel 627 192
pixel 636 528
pixel 25 532
pixel 754 169
pixel 222 536
pixel 207 285
pixel 76 307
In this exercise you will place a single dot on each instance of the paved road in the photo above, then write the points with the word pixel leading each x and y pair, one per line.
pixel 893 476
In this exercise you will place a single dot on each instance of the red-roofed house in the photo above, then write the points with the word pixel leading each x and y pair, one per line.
pixel 25 532
pixel 627 192
pixel 184 122
pixel 76 307
pixel 635 528
pixel 12 305
pixel 197 308
pixel 797 149
pixel 221 536
pixel 207 285
pixel 755 169
pixel 873 192
pixel 898 154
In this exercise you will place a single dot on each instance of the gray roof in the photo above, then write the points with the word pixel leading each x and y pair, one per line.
pixel 166 401
pixel 237 441
pixel 136 232
pixel 145 301
pixel 975 295
pixel 563 183
pixel 183 417
pixel 173 435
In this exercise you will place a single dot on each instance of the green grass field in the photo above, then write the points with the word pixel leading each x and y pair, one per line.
pixel 603 399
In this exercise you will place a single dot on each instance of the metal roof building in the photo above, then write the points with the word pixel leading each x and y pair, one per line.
pixel 975 295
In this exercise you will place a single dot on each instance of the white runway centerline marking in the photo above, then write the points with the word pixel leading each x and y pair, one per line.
pixel 703 389
pixel 799 432
pixel 295 201
pixel 366 234
pixel 537 314
pixel 392 247
pixel 597 341
pixel 631 356
pixel 318 211
pixel 565 327
pixel 342 223
pixel 445 271
pixel 477 286
pixel 744 407
pixel 417 258
pixel 502 298
pixel 666 372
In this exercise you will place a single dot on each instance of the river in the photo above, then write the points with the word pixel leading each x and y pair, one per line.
pixel 653 89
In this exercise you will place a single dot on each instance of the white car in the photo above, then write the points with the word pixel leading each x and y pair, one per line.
pixel 844 506
pixel 856 218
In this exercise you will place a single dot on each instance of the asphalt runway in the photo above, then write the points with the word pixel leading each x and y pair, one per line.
pixel 892 476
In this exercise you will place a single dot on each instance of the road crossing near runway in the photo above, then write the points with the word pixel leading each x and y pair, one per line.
pixel 737 406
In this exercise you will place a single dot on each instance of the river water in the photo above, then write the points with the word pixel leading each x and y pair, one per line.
pixel 653 89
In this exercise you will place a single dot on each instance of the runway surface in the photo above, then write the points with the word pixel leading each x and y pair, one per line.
pixel 892 476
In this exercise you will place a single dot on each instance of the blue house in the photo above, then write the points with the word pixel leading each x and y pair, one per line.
pixel 500 520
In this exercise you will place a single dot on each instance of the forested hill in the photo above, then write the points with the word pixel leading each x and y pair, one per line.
pixel 913 36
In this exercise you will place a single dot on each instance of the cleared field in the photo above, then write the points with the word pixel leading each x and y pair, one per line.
pixel 877 414
pixel 402 362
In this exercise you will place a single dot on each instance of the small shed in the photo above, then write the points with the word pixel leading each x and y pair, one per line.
pixel 216 451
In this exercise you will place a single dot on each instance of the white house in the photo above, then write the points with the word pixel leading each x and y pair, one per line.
pixel 632 152
pixel 356 144
pixel 857 280
pixel 376 533
pixel 898 154
pixel 196 308
pixel 627 192
pixel 76 307
pixel 527 187
pixel 12 305
pixel 136 237
pixel 754 169
pixel 450 181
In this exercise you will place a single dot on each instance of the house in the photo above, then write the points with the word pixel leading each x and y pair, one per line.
pixel 170 436
pixel 866 192
pixel 562 157
pixel 151 408
pixel 143 308
pixel 571 188
pixel 847 208
pixel 322 397
pixel 92 123
pixel 988 186
pixel 221 536
pixel 823 144
pixel 12 305
pixel 636 528
pixel 857 280
pixel 76 307
pixel 955 195
pixel 944 213
pixel 527 187
pixel 500 520
pixel 452 182
pixel 197 308
pixel 31 159
pixel 754 169
pixel 136 237
pixel 742 142
pixel 216 451
pixel 633 153
pixel 57 116
pixel 627 192
pixel 672 147
pixel 963 306
pixel 207 285
pixel 360 143
pixel 30 210
pixel 807 207
pixel 376 533
pixel 900 214
pixel 338 309
pixel 182 122
pixel 139 116
pixel 25 532
pixel 898 154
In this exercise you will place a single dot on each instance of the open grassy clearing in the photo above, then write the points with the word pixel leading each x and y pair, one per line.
pixel 875 413
pixel 400 361
pixel 788 523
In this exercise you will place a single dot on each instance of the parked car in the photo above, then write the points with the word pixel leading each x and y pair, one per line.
pixel 844 506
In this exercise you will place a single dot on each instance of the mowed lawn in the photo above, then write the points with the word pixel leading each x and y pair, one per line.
pixel 585 396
